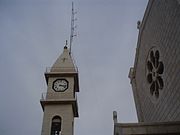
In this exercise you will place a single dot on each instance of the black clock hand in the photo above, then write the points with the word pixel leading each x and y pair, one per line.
pixel 63 85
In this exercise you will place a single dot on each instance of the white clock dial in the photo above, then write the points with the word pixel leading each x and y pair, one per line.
pixel 60 85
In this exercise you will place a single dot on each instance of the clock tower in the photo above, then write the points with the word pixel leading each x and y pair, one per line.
pixel 60 103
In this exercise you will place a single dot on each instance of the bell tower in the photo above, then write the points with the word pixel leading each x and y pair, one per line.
pixel 59 104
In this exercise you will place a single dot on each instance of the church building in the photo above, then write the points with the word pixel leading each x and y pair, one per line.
pixel 155 76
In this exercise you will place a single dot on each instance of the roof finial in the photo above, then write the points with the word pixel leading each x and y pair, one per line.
pixel 138 24
pixel 65 47
pixel 115 116
pixel 66 43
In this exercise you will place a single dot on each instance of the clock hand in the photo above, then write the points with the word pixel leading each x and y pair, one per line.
pixel 63 85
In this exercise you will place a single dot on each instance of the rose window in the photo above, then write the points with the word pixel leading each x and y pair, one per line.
pixel 155 69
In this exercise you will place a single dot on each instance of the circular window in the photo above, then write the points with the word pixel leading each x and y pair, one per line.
pixel 154 69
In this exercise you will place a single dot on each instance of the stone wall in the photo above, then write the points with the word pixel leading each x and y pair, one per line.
pixel 157 86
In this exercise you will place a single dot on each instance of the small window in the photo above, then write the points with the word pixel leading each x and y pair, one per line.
pixel 56 126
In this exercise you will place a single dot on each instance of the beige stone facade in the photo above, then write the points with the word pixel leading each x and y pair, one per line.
pixel 65 112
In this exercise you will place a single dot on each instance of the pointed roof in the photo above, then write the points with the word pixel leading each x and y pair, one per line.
pixel 64 63
pixel 64 66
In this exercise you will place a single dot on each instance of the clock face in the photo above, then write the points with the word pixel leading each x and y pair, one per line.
pixel 60 85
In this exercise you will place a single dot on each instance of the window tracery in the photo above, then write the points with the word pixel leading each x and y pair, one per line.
pixel 155 69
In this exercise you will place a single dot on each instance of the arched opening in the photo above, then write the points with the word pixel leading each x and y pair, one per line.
pixel 56 126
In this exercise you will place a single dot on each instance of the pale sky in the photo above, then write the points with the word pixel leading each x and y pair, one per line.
pixel 32 36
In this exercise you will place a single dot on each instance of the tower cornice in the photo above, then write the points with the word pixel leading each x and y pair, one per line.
pixel 44 101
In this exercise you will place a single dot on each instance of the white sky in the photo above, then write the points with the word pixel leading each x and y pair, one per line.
pixel 32 36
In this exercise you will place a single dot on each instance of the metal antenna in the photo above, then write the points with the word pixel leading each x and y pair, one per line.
pixel 72 27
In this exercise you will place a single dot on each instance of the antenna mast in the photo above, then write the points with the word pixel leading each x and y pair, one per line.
pixel 72 27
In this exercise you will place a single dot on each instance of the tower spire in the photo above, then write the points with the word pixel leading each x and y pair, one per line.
pixel 72 27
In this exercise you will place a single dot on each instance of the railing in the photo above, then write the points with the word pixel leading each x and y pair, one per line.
pixel 43 96
pixel 61 69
